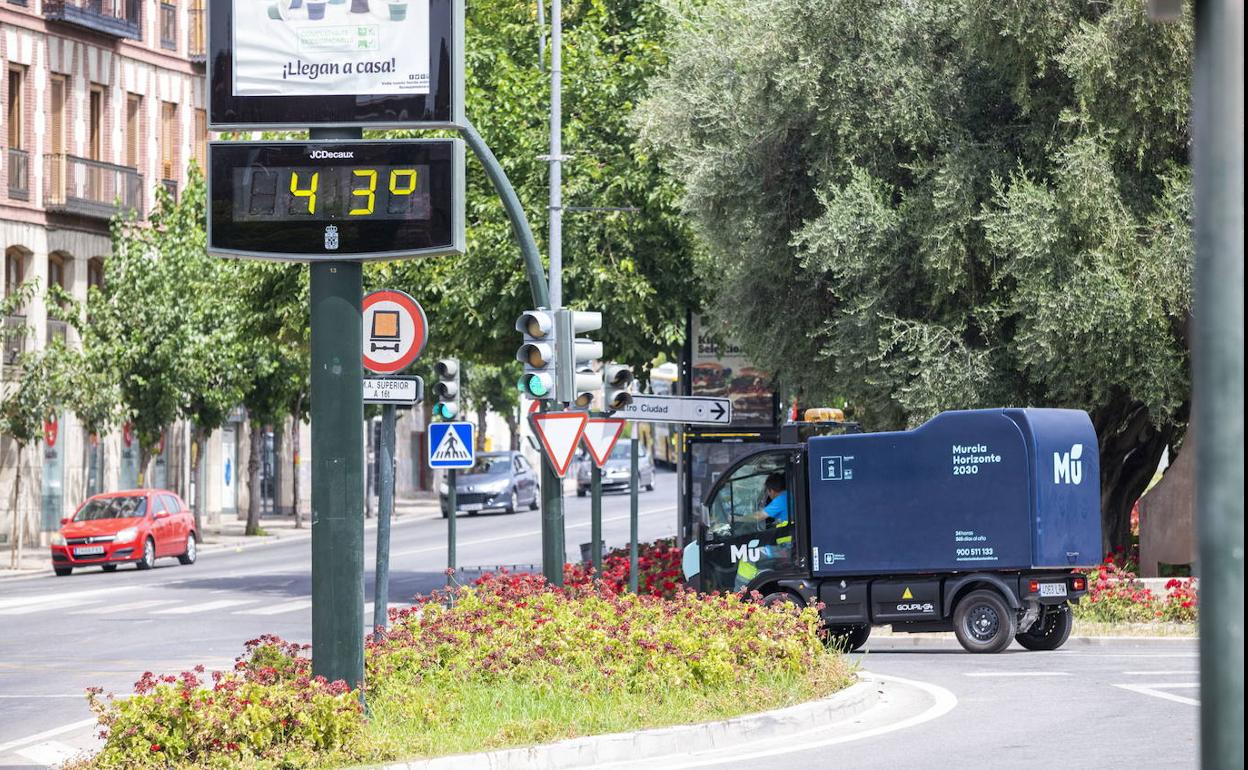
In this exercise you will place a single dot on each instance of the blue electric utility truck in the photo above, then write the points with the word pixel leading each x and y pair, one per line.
pixel 974 522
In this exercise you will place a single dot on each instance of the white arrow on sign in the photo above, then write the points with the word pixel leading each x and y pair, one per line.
pixel 684 409
pixel 559 433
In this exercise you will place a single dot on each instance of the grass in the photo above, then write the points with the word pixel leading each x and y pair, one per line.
pixel 1099 628
pixel 473 717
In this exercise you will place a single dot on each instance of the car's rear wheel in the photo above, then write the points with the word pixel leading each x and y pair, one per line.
pixel 148 560
pixel 188 557
pixel 581 491
pixel 109 568
pixel 63 571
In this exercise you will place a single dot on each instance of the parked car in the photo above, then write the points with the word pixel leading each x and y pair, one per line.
pixel 615 474
pixel 138 525
pixel 498 481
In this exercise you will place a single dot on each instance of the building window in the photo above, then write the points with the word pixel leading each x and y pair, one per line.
pixel 56 270
pixel 95 273
pixel 14 270
pixel 168 140
pixel 169 26
pixel 201 140
pixel 95 124
pixel 134 129
pixel 17 108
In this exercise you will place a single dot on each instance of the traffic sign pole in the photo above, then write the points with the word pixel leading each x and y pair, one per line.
pixel 595 516
pixel 385 509
pixel 338 465
pixel 632 510
pixel 553 548
pixel 452 502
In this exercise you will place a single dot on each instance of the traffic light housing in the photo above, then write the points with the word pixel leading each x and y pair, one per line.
pixel 617 380
pixel 446 389
pixel 538 353
pixel 576 377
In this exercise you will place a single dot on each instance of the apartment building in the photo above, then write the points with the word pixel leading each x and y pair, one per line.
pixel 103 100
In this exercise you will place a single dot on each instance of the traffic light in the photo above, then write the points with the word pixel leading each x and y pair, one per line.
pixel 616 381
pixel 577 381
pixel 538 354
pixel 446 389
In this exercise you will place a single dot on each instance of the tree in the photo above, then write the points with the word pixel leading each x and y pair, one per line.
pixel 635 265
pixel 37 395
pixel 493 388
pixel 927 206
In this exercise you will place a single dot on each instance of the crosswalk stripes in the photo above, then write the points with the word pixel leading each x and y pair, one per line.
pixel 277 609
pixel 55 603
pixel 122 608
pixel 219 604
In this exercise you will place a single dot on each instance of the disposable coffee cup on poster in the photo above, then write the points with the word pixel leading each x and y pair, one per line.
pixel 337 2
pixel 398 10
pixel 275 11
pixel 316 9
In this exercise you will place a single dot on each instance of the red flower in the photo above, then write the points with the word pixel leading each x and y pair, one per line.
pixel 155 747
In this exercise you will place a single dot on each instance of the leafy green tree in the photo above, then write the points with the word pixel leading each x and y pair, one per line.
pixel 492 388
pixel 635 265
pixel 927 206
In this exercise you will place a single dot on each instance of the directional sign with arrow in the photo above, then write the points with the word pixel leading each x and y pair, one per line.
pixel 682 409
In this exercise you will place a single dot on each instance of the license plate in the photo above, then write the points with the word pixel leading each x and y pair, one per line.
pixel 472 507
pixel 1052 589
pixel 90 550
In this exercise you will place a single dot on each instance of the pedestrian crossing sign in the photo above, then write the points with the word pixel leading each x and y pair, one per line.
pixel 451 445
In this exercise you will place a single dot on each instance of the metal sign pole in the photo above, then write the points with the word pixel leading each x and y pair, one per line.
pixel 338 464
pixel 452 502
pixel 385 509
pixel 632 510
pixel 595 516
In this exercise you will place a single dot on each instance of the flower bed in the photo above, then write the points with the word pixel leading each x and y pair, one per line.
pixel 658 569
pixel 509 661
pixel 1115 595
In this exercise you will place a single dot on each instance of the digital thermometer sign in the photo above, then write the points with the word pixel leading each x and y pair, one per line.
pixel 336 200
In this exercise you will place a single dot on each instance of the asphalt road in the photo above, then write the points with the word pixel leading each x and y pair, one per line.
pixel 61 635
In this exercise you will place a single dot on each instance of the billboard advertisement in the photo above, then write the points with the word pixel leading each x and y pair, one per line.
pixel 718 368
pixel 331 47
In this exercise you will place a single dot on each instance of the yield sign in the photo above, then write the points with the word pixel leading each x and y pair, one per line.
pixel 600 436
pixel 559 433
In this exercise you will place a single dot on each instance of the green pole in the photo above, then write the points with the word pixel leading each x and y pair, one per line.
pixel 553 550
pixel 337 473
pixel 337 394
pixel 1218 373
pixel 452 504
pixel 632 509
pixel 385 509
pixel 595 516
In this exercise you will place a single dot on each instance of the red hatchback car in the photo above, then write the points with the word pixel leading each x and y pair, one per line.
pixel 139 525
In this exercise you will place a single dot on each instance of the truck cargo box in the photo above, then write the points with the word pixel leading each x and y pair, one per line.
pixel 977 490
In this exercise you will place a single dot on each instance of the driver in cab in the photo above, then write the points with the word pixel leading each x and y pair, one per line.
pixel 775 513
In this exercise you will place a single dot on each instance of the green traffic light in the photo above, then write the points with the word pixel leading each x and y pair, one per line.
pixel 537 387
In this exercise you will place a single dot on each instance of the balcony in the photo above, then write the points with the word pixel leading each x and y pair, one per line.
pixel 19 174
pixel 196 49
pixel 91 188
pixel 56 330
pixel 118 18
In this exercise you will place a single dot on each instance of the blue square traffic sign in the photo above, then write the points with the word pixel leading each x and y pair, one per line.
pixel 451 445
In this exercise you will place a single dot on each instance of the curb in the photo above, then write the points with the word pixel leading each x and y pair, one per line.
pixel 914 640
pixel 598 750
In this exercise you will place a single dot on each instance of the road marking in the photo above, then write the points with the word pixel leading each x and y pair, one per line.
pixel 37 598
pixel 1158 691
pixel 220 604
pixel 277 609
pixel 127 607
pixel 55 603
pixel 55 731
pixel 1161 673
pixel 945 701
pixel 49 753
pixel 37 697
pixel 526 533
pixel 1015 673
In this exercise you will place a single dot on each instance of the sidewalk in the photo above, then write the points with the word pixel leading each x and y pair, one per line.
pixel 224 534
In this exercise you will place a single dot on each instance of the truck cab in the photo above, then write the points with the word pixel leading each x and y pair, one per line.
pixel 965 524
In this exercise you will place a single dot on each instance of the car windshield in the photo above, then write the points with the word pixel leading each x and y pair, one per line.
pixel 129 507
pixel 489 465
pixel 621 450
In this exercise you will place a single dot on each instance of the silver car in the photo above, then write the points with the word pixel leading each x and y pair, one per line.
pixel 615 474
pixel 499 481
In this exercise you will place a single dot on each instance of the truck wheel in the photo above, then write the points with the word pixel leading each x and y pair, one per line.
pixel 1050 632
pixel 848 638
pixel 783 598
pixel 983 622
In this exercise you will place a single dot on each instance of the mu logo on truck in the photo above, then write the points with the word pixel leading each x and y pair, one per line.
pixel 748 552
pixel 1067 467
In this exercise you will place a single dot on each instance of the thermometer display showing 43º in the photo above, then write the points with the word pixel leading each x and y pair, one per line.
pixel 328 193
